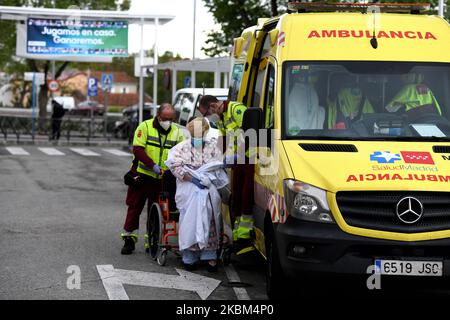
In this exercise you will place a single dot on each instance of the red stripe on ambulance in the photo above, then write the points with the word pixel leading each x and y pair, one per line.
pixel 281 38
pixel 277 209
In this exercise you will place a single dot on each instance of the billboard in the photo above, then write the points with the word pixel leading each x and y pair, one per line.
pixel 88 38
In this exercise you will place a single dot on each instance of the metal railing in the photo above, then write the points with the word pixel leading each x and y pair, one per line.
pixel 24 127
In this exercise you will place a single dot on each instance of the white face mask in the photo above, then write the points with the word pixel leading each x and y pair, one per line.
pixel 165 124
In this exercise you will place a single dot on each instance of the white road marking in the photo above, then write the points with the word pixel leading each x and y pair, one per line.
pixel 113 280
pixel 52 151
pixel 113 285
pixel 232 276
pixel 85 152
pixel 17 151
pixel 117 152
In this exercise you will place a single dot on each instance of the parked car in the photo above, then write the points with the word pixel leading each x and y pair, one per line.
pixel 124 128
pixel 68 103
pixel 186 101
pixel 84 108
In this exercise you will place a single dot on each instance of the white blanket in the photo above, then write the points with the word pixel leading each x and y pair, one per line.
pixel 198 206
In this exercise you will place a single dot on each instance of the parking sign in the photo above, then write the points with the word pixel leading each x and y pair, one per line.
pixel 92 87
pixel 187 82
pixel 107 81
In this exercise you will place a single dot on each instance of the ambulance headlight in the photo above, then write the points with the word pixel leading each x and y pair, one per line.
pixel 306 202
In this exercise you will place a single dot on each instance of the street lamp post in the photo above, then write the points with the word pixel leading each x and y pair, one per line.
pixel 155 64
pixel 141 77
pixel 193 37
pixel 441 8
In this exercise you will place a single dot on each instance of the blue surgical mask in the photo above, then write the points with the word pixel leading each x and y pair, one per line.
pixel 197 142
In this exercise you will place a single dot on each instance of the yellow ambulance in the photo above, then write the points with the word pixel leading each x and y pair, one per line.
pixel 352 106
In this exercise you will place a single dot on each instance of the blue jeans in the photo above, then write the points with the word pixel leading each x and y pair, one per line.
pixel 190 256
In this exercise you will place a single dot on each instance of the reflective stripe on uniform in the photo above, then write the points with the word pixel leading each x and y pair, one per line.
pixel 246 224
pixel 150 138
pixel 167 146
pixel 133 236
pixel 143 166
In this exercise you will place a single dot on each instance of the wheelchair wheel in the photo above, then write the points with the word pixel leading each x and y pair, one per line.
pixel 154 230
pixel 226 258
pixel 162 257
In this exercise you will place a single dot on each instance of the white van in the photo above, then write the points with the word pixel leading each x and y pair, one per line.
pixel 186 101
pixel 68 103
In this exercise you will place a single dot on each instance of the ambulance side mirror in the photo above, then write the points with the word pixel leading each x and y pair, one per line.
pixel 252 119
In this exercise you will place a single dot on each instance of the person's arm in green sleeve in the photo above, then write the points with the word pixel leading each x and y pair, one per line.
pixel 238 114
pixel 139 144
pixel 402 98
pixel 140 136
pixel 436 103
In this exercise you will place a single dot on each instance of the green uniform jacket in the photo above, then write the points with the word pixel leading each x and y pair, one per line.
pixel 231 121
pixel 156 145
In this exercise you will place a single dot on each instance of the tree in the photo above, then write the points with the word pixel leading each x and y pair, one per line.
pixel 434 5
pixel 164 95
pixel 236 15
pixel 233 16
pixel 8 39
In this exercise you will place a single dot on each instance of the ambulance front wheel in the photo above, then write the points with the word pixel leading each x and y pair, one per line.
pixel 275 279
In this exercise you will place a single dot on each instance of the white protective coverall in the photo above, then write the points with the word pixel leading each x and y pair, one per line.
pixel 304 110
pixel 198 206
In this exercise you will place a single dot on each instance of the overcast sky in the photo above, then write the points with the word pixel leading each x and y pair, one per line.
pixel 176 35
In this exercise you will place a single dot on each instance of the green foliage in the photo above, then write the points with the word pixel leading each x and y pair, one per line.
pixel 236 15
pixel 115 109
pixel 164 95
pixel 125 64
pixel 434 4
pixel 233 16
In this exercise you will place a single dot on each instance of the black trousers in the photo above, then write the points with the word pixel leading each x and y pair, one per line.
pixel 169 184
pixel 56 129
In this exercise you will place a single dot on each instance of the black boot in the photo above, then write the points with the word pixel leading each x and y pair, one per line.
pixel 128 247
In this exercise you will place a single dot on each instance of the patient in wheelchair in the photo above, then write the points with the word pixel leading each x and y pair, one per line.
pixel 197 164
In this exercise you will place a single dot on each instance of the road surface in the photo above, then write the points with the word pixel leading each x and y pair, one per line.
pixel 62 208
pixel 61 214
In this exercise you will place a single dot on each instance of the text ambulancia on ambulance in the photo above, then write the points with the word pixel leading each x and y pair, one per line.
pixel 354 101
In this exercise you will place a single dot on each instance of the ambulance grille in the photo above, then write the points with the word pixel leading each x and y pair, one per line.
pixel 441 149
pixel 376 210
pixel 322 147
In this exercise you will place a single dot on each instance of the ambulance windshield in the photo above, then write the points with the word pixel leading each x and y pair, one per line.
pixel 366 100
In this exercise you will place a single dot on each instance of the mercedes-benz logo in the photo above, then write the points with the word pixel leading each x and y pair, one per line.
pixel 409 210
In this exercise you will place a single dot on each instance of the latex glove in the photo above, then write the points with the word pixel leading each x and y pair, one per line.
pixel 157 169
pixel 198 183
pixel 206 182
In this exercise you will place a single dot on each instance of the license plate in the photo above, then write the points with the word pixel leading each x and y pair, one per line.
pixel 409 268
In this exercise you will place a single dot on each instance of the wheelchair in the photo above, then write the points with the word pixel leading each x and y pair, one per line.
pixel 161 234
pixel 163 223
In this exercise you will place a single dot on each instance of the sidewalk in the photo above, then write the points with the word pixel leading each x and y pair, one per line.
pixel 42 140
